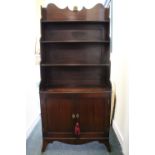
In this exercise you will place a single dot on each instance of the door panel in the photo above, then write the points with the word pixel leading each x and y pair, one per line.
pixel 59 113
pixel 93 114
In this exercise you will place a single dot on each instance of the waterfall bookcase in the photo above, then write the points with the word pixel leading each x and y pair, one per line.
pixel 75 87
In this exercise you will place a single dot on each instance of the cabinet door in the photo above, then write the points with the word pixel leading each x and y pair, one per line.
pixel 59 110
pixel 94 113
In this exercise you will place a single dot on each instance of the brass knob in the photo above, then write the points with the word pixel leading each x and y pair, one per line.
pixel 77 115
pixel 73 116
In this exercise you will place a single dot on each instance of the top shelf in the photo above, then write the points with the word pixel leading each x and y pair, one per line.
pixel 74 21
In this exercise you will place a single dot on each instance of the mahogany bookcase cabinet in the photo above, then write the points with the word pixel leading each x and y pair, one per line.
pixel 75 88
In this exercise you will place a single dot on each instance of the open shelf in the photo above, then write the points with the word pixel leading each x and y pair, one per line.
pixel 75 76
pixel 74 21
pixel 76 65
pixel 76 41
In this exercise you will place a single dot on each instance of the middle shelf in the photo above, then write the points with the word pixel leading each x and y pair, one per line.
pixel 72 65
pixel 74 41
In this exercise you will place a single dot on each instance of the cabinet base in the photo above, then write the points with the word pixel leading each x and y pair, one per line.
pixel 76 141
pixel 44 145
pixel 108 146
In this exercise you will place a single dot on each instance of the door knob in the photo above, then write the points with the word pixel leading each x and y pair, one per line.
pixel 77 115
pixel 73 116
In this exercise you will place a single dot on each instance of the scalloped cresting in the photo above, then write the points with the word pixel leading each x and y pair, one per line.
pixel 96 13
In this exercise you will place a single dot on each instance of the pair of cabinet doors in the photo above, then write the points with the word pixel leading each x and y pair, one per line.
pixel 60 113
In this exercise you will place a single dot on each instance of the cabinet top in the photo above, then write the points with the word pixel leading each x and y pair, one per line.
pixel 53 13
pixel 77 90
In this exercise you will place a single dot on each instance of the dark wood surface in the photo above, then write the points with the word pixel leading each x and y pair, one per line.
pixel 98 91
pixel 75 75
pixel 75 53
pixel 75 31
pixel 97 13
pixel 93 111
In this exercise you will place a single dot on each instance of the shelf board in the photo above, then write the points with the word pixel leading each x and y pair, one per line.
pixel 77 90
pixel 77 41
pixel 75 21
pixel 74 65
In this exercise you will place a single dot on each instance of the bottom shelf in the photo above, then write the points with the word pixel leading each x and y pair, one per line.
pixel 76 90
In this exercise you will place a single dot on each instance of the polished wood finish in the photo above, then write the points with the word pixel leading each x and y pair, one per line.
pixel 75 53
pixel 75 72
pixel 97 13
pixel 75 31
pixel 74 76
